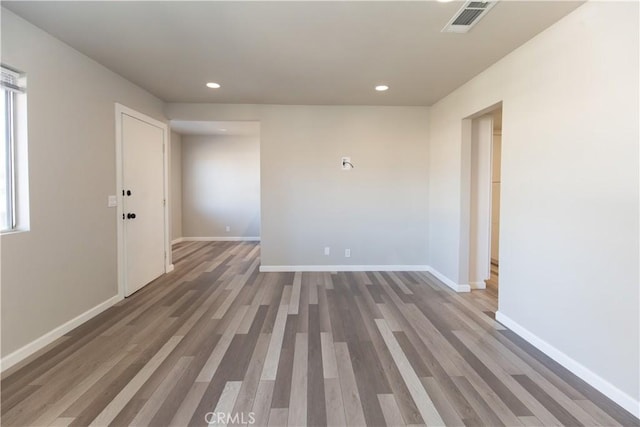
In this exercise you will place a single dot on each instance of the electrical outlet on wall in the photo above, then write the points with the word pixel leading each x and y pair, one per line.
pixel 228 228
pixel 327 250
pixel 347 253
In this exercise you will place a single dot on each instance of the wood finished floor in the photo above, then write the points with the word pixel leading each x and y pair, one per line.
pixel 295 349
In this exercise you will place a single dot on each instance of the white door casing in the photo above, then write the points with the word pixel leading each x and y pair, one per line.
pixel 141 169
pixel 480 215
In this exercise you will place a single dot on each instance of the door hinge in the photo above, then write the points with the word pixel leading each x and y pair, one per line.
pixel 164 202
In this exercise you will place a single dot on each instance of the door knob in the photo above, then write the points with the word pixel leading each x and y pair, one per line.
pixel 131 216
pixel 128 192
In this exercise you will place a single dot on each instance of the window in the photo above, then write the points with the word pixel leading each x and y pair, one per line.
pixel 12 107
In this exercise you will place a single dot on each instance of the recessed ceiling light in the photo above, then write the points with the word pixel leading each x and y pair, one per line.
pixel 223 130
pixel 382 88
pixel 212 85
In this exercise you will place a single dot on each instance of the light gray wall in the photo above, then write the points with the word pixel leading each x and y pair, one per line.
pixel 221 186
pixel 175 179
pixel 378 210
pixel 569 208
pixel 66 264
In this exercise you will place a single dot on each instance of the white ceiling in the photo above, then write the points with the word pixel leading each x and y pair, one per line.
pixel 224 128
pixel 323 52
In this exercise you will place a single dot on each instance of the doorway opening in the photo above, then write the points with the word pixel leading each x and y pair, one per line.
pixel 496 163
pixel 482 148
pixel 215 181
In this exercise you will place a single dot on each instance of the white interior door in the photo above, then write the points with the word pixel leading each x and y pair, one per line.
pixel 143 202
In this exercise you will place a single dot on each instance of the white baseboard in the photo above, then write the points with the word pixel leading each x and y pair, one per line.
pixel 450 283
pixel 170 268
pixel 331 268
pixel 477 285
pixel 590 377
pixel 221 239
pixel 308 268
pixel 46 339
pixel 177 240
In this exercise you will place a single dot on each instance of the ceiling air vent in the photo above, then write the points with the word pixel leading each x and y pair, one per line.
pixel 468 16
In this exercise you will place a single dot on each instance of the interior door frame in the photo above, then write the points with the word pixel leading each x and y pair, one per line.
pixel 168 266
pixel 464 249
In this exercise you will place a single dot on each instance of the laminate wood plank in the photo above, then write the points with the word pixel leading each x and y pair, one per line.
pixel 262 403
pixel 316 413
pixel 303 310
pixel 400 283
pixel 247 347
pixel 313 293
pixel 278 417
pixel 212 364
pixel 299 382
pixel 328 280
pixel 560 413
pixel 533 365
pixel 369 379
pixel 294 303
pixel 440 345
pixel 375 292
pixel 55 410
pixel 354 414
pixel 414 358
pixel 280 296
pixel 282 386
pixel 323 306
pixel 442 404
pixel 248 318
pixel 530 421
pixel 145 414
pixel 333 402
pixel 370 303
pixel 601 417
pixel 186 393
pixel 128 412
pixel 510 387
pixel 389 316
pixel 189 404
pixel 390 409
pixel 116 405
pixel 352 321
pixel 9 400
pixel 62 422
pixel 481 407
pixel 270 368
pixel 329 365
pixel 251 381
pixel 507 360
pixel 334 316
pixel 96 398
pixel 222 412
pixel 420 396
pixel 403 398
pixel 481 343
pixel 490 397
